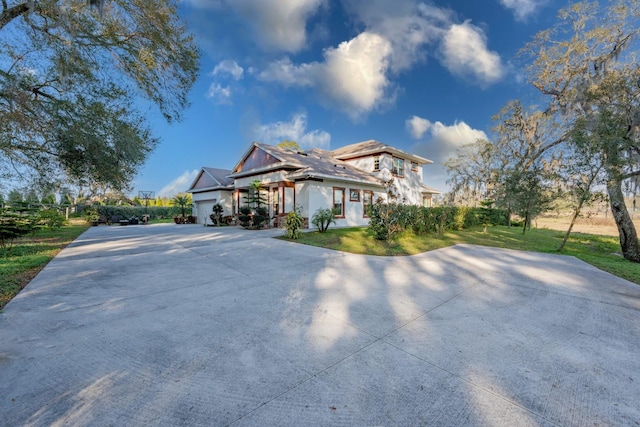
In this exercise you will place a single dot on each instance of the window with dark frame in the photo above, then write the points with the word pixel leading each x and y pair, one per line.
pixel 354 195
pixel 376 163
pixel 276 201
pixel 338 202
pixel 414 166
pixel 367 202
pixel 398 166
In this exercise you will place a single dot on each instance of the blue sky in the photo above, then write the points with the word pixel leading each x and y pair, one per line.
pixel 423 76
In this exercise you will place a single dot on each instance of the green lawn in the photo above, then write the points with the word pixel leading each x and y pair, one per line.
pixel 22 261
pixel 600 251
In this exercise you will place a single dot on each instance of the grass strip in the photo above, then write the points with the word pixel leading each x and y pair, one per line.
pixel 23 260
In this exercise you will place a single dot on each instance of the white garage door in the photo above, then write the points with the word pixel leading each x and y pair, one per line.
pixel 204 209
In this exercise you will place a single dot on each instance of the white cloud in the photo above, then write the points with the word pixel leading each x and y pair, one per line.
pixel 219 94
pixel 522 9
pixel 465 54
pixel 278 24
pixel 440 143
pixel 442 140
pixel 353 75
pixel 357 75
pixel 293 130
pixel 229 67
pixel 409 26
pixel 289 74
pixel 417 126
pixel 412 27
pixel 180 184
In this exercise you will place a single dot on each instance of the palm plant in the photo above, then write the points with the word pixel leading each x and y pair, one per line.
pixel 181 201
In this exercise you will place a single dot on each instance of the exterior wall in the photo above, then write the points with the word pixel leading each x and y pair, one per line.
pixel 302 196
pixel 265 178
pixel 408 187
pixel 203 204
pixel 321 196
pixel 363 163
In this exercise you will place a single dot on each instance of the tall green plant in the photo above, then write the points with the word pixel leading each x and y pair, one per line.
pixel 255 198
pixel 294 223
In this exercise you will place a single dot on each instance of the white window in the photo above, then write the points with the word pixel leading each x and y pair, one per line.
pixel 398 166
pixel 376 163
pixel 338 202
pixel 367 202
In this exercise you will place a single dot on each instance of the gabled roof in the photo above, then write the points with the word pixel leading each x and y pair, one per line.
pixel 211 179
pixel 321 164
pixel 371 147
pixel 260 158
pixel 315 163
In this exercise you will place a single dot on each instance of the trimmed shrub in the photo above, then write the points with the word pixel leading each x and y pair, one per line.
pixel 126 212
pixel 388 220
pixel 244 216
pixel 260 217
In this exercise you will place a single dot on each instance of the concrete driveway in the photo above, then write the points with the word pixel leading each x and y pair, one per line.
pixel 199 326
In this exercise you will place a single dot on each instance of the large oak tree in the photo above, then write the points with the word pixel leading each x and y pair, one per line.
pixel 587 65
pixel 73 75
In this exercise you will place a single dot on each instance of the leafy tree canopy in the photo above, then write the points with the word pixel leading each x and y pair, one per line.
pixel 587 65
pixel 290 145
pixel 70 72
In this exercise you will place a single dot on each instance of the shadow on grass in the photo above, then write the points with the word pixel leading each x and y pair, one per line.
pixel 600 251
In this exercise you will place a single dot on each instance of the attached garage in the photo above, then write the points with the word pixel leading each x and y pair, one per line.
pixel 211 186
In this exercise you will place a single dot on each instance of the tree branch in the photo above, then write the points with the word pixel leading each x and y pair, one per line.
pixel 630 175
pixel 11 13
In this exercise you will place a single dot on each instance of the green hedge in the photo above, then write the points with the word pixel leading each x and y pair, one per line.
pixel 388 220
pixel 126 212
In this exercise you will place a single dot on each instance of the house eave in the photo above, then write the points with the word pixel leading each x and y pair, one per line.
pixel 213 188
pixel 317 176
pixel 271 168
pixel 386 149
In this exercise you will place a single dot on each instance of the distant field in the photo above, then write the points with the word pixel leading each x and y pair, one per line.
pixel 600 224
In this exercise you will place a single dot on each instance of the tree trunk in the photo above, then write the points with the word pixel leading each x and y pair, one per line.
pixel 573 221
pixel 626 229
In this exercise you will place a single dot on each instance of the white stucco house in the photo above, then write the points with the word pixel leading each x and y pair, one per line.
pixel 346 179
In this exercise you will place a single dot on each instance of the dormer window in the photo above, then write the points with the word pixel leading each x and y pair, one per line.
pixel 398 166
pixel 376 163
